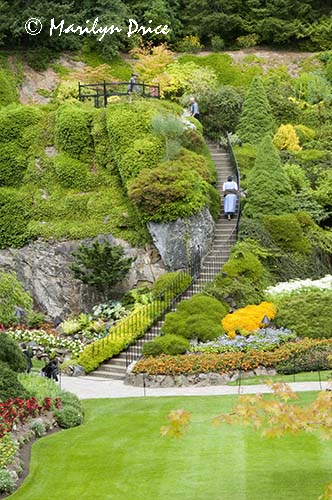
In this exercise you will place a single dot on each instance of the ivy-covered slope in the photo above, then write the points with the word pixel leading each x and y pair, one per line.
pixel 72 171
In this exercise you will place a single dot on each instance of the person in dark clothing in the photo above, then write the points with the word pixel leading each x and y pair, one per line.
pixel 133 84
pixel 28 353
pixel 51 370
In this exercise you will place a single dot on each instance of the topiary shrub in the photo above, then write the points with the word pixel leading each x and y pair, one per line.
pixel 198 317
pixel 167 344
pixel 305 134
pixel 73 131
pixel 269 191
pixel 10 387
pixel 307 312
pixel 256 119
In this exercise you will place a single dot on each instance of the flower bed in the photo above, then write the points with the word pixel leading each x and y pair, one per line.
pixel 223 363
pixel 266 339
pixel 290 286
pixel 48 340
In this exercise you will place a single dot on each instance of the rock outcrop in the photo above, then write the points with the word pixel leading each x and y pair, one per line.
pixel 183 240
pixel 43 268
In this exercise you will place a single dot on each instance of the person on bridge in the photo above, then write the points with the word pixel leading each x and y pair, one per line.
pixel 133 84
pixel 230 189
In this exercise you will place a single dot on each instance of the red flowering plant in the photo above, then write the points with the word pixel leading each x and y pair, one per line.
pixel 16 411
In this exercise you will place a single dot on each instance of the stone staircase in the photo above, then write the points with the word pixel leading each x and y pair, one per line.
pixel 224 239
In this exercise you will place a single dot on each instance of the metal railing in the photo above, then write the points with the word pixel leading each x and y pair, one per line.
pixel 170 299
pixel 100 92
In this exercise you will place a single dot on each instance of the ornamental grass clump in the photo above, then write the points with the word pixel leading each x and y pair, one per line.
pixel 248 319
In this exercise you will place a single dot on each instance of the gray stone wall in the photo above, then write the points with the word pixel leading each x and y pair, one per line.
pixel 43 268
pixel 197 379
pixel 182 239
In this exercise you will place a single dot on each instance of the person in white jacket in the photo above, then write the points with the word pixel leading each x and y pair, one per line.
pixel 230 189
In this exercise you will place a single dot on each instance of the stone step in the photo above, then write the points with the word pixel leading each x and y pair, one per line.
pixel 112 376
pixel 115 361
pixel 111 369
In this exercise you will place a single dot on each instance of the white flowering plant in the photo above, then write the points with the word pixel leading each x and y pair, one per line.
pixel 290 286
pixel 47 340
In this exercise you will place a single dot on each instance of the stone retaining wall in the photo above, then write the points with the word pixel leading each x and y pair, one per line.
pixel 197 379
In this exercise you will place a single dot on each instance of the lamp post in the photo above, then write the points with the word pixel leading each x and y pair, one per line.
pixel 265 322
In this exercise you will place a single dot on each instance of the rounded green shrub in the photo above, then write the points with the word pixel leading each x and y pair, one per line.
pixel 8 93
pixel 199 317
pixel 168 192
pixel 69 416
pixel 167 344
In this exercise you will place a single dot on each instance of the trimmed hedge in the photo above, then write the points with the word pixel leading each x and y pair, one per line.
pixel 307 312
pixel 73 131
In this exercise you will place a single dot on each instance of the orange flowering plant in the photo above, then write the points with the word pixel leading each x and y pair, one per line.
pixel 248 319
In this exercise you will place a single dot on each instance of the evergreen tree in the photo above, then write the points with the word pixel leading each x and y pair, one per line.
pixel 101 265
pixel 269 191
pixel 256 118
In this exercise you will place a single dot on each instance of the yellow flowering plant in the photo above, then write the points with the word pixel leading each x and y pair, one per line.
pixel 248 319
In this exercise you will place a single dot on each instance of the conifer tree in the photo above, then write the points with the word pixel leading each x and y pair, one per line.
pixel 256 118
pixel 269 191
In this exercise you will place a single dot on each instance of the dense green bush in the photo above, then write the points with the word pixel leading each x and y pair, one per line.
pixel 73 131
pixel 145 153
pixel 269 191
pixel 15 119
pixel 256 120
pixel 220 110
pixel 168 192
pixel 199 317
pixel 314 359
pixel 69 416
pixel 8 93
pixel 306 312
pixel 10 387
pixel 167 344
pixel 286 233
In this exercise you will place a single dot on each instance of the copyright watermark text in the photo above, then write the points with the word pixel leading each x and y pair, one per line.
pixel 34 26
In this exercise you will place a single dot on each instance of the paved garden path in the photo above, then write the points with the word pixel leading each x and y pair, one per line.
pixel 90 387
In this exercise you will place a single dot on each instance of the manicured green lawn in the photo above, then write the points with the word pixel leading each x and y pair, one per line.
pixel 299 377
pixel 118 454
